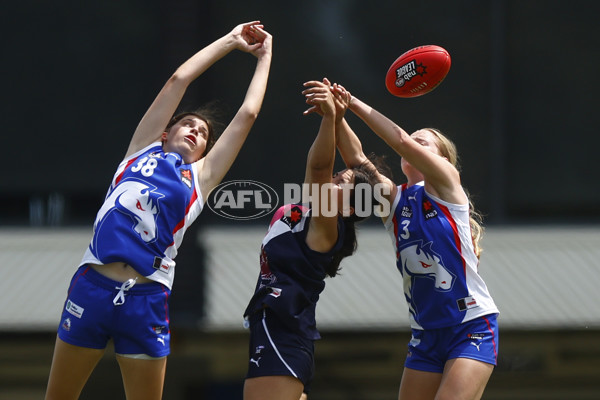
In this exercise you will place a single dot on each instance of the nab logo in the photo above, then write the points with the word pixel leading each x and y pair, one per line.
pixel 243 200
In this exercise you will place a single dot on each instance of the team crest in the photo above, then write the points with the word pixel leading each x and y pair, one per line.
pixel 186 177
pixel 428 210
pixel 292 216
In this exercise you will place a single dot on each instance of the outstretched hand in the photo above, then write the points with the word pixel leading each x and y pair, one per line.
pixel 251 36
pixel 341 99
pixel 320 97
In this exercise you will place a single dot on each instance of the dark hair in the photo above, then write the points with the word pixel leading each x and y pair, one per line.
pixel 210 114
pixel 362 174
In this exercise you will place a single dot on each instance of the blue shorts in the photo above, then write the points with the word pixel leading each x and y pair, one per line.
pixel 140 325
pixel 277 350
pixel 428 350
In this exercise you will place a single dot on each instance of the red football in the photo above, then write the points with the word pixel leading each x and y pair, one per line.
pixel 418 71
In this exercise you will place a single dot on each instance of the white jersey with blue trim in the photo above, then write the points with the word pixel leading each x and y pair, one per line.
pixel 436 257
pixel 153 198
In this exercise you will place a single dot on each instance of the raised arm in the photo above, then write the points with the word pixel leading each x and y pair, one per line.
pixel 166 102
pixel 348 143
pixel 441 177
pixel 323 230
pixel 217 162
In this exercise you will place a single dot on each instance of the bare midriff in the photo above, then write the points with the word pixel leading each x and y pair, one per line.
pixel 120 272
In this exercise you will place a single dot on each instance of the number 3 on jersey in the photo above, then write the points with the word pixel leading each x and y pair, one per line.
pixel 405 234
pixel 146 166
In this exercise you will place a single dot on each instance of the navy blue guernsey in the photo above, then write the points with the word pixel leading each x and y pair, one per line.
pixel 292 276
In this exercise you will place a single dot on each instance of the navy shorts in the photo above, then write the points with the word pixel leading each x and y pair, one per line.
pixel 428 350
pixel 276 350
pixel 138 323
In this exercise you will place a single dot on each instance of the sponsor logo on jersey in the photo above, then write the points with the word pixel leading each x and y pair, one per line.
pixel 74 309
pixel 161 265
pixel 476 336
pixel 466 303
pixel 407 212
pixel 160 329
pixel 275 292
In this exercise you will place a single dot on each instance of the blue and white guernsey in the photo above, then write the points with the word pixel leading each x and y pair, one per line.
pixel 153 198
pixel 436 257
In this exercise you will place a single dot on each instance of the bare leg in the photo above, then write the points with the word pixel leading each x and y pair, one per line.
pixel 464 378
pixel 273 388
pixel 70 370
pixel 143 379
pixel 419 385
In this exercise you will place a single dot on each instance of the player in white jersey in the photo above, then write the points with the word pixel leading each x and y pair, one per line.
pixel 121 288
pixel 435 234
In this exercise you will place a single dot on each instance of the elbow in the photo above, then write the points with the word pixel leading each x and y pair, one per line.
pixel 250 113
pixel 399 135
pixel 179 79
pixel 399 132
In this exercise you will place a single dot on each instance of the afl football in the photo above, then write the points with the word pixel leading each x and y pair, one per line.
pixel 418 71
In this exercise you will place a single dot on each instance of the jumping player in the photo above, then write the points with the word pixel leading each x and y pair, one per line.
pixel 436 233
pixel 122 286
pixel 301 248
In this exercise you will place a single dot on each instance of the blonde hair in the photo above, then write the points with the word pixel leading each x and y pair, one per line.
pixel 448 150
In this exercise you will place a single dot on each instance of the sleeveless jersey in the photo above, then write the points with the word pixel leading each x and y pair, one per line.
pixel 291 274
pixel 436 257
pixel 153 198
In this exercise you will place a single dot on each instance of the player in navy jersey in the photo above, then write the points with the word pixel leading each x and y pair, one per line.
pixel 436 233
pixel 304 244
pixel 122 286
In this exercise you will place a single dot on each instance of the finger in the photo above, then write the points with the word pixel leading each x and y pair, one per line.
pixel 310 110
pixel 259 33
pixel 315 99
pixel 313 90
pixel 312 83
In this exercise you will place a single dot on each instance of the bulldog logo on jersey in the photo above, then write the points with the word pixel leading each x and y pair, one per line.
pixel 418 260
pixel 132 197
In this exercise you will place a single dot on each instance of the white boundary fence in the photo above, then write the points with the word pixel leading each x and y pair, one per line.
pixel 541 277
